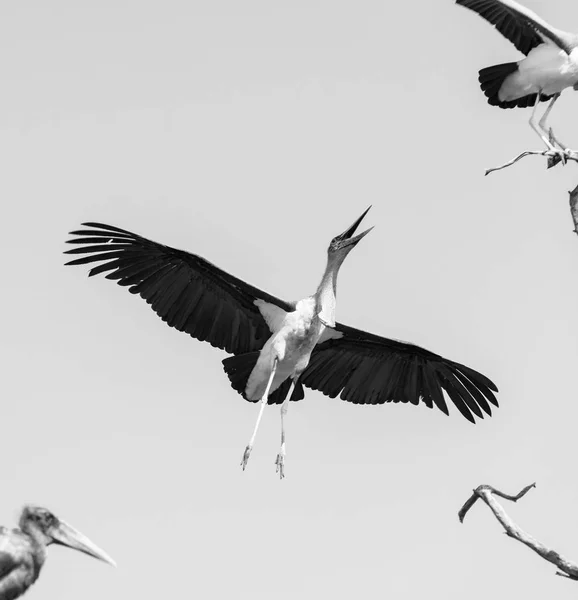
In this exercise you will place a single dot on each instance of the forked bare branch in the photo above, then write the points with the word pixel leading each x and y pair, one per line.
pixel 486 493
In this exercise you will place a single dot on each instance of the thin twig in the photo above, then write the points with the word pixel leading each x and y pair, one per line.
pixel 486 493
pixel 553 158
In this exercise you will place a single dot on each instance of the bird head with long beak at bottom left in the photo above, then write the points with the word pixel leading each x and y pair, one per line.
pixel 23 550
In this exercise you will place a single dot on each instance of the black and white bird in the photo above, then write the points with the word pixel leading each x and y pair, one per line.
pixel 550 66
pixel 23 550
pixel 276 344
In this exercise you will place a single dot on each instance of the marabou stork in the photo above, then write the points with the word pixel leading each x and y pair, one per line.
pixel 278 344
pixel 550 66
pixel 23 551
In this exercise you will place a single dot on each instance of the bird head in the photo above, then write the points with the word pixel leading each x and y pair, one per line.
pixel 51 530
pixel 343 243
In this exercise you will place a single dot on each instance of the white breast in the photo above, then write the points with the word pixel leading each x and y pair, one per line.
pixel 296 334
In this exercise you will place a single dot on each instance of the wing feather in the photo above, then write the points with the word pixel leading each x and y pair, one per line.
pixel 188 292
pixel 523 27
pixel 367 369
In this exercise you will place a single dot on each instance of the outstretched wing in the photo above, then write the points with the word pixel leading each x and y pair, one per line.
pixel 368 369
pixel 523 27
pixel 186 291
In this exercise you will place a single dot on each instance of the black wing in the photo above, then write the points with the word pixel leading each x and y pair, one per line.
pixel 523 27
pixel 186 291
pixel 368 369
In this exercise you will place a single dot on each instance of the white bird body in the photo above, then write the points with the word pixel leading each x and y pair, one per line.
pixel 296 333
pixel 547 70
pixel 287 352
pixel 291 344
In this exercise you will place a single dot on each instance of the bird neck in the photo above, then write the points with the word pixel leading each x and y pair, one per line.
pixel 38 542
pixel 327 290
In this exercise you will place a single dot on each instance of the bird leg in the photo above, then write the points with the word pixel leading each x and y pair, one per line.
pixel 263 404
pixel 280 461
pixel 548 130
pixel 538 127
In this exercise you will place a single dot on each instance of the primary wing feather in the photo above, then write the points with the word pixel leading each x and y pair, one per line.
pixel 523 27
pixel 185 290
pixel 368 369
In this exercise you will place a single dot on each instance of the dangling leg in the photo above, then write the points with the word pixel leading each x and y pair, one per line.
pixel 280 461
pixel 542 122
pixel 548 130
pixel 263 404
pixel 535 127
pixel 544 136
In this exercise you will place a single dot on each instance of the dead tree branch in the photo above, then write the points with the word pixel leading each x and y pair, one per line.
pixel 486 493
pixel 553 158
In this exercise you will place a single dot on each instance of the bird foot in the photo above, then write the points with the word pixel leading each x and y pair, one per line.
pixel 558 155
pixel 280 462
pixel 246 455
pixel 563 154
pixel 559 151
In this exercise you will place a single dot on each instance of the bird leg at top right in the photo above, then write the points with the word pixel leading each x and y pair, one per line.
pixel 547 136
pixel 549 131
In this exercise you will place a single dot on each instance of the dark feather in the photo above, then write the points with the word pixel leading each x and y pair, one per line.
pixel 367 369
pixel 186 291
pixel 238 369
pixel 491 80
pixel 524 28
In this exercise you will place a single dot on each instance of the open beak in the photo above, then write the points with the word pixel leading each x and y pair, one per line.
pixel 65 535
pixel 346 238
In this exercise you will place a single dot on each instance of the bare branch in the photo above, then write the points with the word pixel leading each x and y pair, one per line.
pixel 486 493
pixel 467 505
pixel 553 158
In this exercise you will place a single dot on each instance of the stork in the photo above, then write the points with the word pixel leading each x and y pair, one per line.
pixel 550 66
pixel 278 345
pixel 23 550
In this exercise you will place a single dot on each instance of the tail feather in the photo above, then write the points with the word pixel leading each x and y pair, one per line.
pixel 491 80
pixel 239 368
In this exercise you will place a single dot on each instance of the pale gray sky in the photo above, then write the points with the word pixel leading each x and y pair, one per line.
pixel 251 133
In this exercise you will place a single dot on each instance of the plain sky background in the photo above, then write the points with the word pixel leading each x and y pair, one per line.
pixel 251 133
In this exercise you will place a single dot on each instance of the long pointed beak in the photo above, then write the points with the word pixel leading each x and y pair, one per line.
pixel 65 535
pixel 346 236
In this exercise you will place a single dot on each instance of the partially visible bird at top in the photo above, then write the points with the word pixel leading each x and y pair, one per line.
pixel 550 66
pixel 278 345
pixel 23 550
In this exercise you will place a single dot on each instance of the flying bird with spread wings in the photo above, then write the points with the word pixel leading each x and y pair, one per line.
pixel 550 66
pixel 278 345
